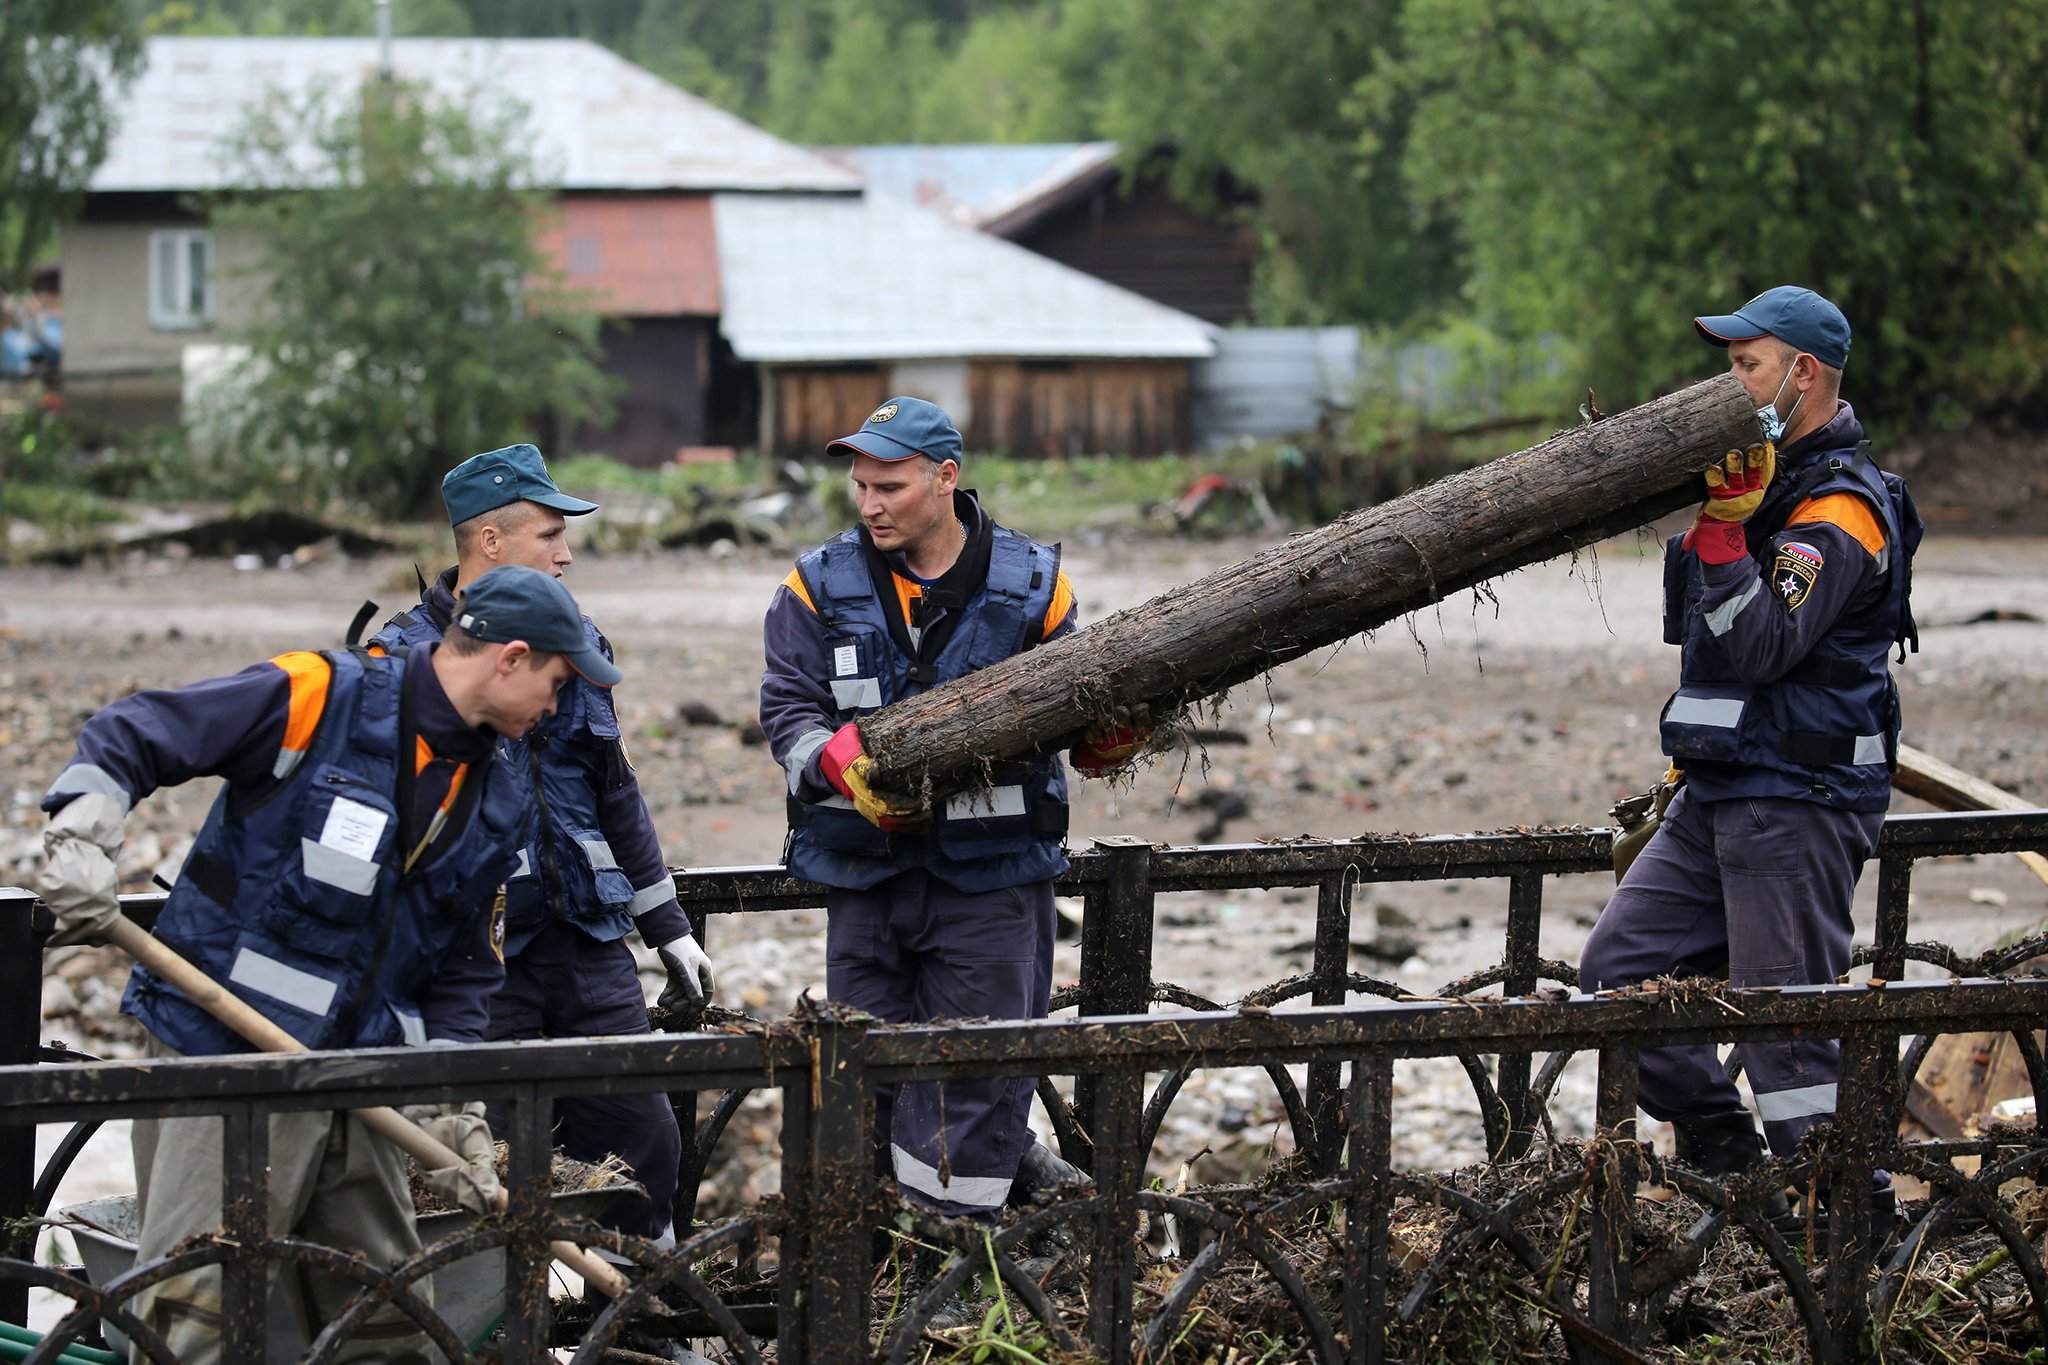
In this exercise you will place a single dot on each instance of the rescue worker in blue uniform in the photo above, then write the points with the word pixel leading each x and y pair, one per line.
pixel 1785 600
pixel 933 913
pixel 345 885
pixel 591 870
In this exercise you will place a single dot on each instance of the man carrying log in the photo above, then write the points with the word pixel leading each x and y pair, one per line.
pixel 1785 599
pixel 592 869
pixel 346 886
pixel 935 912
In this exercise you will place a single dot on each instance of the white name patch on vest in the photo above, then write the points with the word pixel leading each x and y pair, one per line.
pixel 845 661
pixel 353 828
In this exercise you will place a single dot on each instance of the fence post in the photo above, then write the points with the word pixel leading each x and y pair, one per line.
pixel 529 1182
pixel 1116 1122
pixel 842 1165
pixel 792 1271
pixel 690 1163
pixel 1511 1075
pixel 1870 1074
pixel 1367 1208
pixel 245 1225
pixel 1116 959
pixel 1609 1243
pixel 1331 965
pixel 1894 893
pixel 21 1022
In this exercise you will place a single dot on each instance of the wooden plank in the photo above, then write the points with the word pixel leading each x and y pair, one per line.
pixel 1947 787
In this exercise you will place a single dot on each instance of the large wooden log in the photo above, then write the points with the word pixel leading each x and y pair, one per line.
pixel 1316 588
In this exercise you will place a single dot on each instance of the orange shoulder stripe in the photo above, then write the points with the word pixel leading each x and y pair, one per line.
pixel 1846 511
pixel 795 583
pixel 1062 603
pixel 309 673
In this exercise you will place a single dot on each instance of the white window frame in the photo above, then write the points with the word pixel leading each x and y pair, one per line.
pixel 185 246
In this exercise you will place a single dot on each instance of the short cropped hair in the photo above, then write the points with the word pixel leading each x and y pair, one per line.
pixel 507 519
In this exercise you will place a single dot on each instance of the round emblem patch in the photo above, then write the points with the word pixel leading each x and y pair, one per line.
pixel 882 414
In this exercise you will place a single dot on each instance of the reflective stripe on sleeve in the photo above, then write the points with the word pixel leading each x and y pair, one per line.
pixel 849 693
pixel 807 743
pixel 1723 713
pixel 1721 618
pixel 335 868
pixel 993 804
pixel 976 1191
pixel 1806 1102
pixel 90 779
pixel 309 674
pixel 651 897
pixel 410 1026
pixel 282 981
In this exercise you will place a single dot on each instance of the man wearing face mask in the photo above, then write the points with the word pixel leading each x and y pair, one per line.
pixel 1785 599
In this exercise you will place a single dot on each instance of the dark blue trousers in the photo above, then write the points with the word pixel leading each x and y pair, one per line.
pixel 1758 888
pixel 566 984
pixel 912 950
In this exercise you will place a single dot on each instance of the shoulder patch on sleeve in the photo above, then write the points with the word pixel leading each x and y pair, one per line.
pixel 1846 512
pixel 1794 572
pixel 795 584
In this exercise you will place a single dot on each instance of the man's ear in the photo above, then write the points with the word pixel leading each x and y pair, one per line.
pixel 487 540
pixel 512 657
pixel 948 477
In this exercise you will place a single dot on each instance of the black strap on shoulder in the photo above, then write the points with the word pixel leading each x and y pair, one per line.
pixel 355 627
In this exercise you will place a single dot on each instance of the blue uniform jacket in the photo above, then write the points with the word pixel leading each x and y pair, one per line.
pixel 886 634
pixel 592 856
pixel 240 728
pixel 1784 687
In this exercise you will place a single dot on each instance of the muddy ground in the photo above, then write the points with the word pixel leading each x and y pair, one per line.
pixel 1539 708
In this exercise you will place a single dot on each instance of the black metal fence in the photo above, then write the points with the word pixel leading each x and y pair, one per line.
pixel 819 1304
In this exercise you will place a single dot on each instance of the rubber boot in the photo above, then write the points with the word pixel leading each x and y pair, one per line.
pixel 1727 1145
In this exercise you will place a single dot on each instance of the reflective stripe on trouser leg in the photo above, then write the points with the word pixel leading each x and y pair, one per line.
pixel 956 1144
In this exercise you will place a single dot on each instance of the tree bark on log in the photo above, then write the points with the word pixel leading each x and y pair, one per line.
pixel 1316 588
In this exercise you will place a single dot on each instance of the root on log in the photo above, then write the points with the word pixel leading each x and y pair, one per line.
pixel 1316 588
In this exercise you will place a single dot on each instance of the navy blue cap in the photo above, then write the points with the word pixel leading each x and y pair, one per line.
pixel 483 483
pixel 901 428
pixel 1798 317
pixel 513 602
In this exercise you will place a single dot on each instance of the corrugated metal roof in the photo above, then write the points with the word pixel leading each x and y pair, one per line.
pixel 599 121
pixel 638 255
pixel 968 181
pixel 811 278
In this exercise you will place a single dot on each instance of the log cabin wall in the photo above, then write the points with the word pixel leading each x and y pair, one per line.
pixel 1147 243
pixel 1014 407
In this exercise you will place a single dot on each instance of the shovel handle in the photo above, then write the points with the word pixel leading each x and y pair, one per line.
pixel 432 1154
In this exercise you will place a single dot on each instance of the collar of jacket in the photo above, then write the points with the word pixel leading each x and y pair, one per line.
pixel 957 584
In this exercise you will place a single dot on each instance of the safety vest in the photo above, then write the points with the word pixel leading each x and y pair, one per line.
pixel 1009 833
pixel 297 899
pixel 1828 729
pixel 566 869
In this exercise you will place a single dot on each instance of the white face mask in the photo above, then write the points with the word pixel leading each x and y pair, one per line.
pixel 1767 416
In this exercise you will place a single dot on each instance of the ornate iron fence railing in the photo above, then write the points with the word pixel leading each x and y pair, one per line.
pixel 1590 1284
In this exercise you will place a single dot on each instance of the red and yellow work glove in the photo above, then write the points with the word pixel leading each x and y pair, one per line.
pixel 1109 744
pixel 848 768
pixel 1736 484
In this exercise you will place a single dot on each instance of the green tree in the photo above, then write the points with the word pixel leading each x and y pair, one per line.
pixel 60 60
pixel 409 318
pixel 1616 166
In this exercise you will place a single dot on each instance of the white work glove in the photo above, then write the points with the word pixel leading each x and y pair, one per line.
pixel 690 981
pixel 474 1184
pixel 78 881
